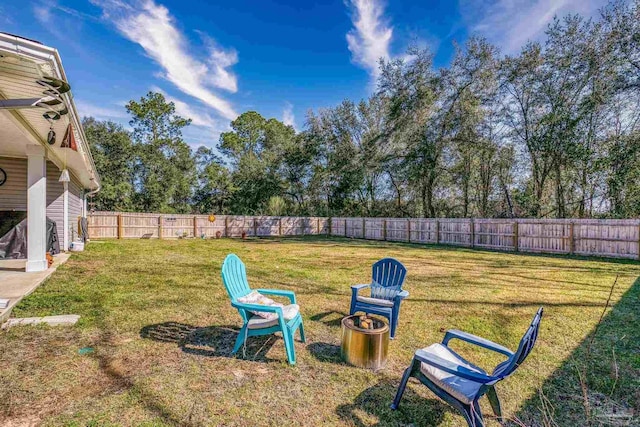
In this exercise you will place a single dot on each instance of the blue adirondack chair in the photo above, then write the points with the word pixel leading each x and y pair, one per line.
pixel 234 277
pixel 459 382
pixel 388 273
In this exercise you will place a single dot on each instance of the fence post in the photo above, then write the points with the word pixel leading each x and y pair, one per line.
pixel 364 228
pixel 437 232
pixel 384 229
pixel 195 227
pixel 515 235
pixel 279 226
pixel 572 243
pixel 318 230
pixel 159 226
pixel 330 226
pixel 119 226
pixel 255 226
pixel 472 227
pixel 226 226
pixel 345 227
pixel 409 230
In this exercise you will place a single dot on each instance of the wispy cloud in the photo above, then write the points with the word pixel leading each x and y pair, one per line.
pixel 101 112
pixel 370 36
pixel 198 116
pixel 511 23
pixel 151 26
pixel 288 118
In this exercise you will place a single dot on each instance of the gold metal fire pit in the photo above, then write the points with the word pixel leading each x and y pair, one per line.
pixel 365 348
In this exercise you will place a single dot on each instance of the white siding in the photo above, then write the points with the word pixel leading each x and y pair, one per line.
pixel 13 194
pixel 55 198
pixel 75 206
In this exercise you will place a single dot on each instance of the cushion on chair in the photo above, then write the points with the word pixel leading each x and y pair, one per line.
pixel 460 388
pixel 288 311
pixel 255 297
pixel 375 301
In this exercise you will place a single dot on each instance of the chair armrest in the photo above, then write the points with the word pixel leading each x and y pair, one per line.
pixel 402 295
pixel 358 287
pixel 453 368
pixel 473 339
pixel 258 307
pixel 289 294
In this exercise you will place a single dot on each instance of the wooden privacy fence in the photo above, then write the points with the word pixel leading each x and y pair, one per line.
pixel 126 225
pixel 609 238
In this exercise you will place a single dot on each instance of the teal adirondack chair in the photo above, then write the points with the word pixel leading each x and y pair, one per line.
pixel 234 277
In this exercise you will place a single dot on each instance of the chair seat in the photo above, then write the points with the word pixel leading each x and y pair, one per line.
pixel 257 322
pixel 375 301
pixel 460 388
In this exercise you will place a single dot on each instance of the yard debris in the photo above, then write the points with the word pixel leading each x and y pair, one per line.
pixel 85 350
pixel 65 319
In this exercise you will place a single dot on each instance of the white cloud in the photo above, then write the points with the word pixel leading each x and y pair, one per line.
pixel 152 27
pixel 42 13
pixel 511 23
pixel 370 36
pixel 288 118
pixel 101 112
pixel 198 117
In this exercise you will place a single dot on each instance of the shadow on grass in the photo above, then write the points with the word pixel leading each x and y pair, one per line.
pixel 374 403
pixel 609 356
pixel 211 341
pixel 331 318
pixel 326 352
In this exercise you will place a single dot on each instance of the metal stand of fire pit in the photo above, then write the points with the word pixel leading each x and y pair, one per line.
pixel 365 347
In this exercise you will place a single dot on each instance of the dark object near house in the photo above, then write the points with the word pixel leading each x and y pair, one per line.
pixel 13 229
pixel 84 229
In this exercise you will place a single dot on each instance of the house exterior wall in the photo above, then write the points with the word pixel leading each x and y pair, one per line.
pixel 76 203
pixel 55 199
pixel 13 193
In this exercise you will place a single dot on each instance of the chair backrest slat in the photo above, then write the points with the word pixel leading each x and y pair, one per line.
pixel 234 277
pixel 527 343
pixel 388 272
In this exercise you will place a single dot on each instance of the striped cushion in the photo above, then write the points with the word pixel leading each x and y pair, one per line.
pixel 462 389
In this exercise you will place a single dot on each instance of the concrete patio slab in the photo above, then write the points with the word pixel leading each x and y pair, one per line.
pixel 16 284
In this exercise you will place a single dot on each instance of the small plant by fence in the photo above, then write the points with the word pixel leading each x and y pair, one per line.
pixel 609 238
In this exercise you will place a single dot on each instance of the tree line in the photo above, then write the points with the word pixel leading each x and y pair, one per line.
pixel 553 131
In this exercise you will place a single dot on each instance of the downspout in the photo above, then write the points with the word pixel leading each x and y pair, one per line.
pixel 90 193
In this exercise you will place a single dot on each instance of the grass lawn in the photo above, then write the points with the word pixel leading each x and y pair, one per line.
pixel 161 328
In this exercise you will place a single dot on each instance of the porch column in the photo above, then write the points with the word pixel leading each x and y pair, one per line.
pixel 65 213
pixel 36 208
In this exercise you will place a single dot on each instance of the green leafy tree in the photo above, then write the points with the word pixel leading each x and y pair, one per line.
pixel 215 186
pixel 114 157
pixel 165 169
pixel 255 147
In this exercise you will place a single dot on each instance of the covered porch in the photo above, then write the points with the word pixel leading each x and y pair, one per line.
pixel 46 168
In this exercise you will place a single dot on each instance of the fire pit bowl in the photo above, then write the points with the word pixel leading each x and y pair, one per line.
pixel 363 346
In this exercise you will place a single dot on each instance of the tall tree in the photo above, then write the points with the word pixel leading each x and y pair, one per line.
pixel 114 157
pixel 165 169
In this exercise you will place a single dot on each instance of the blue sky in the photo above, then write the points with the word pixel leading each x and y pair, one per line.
pixel 217 59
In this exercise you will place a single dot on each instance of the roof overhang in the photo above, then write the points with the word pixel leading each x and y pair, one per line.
pixel 22 63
